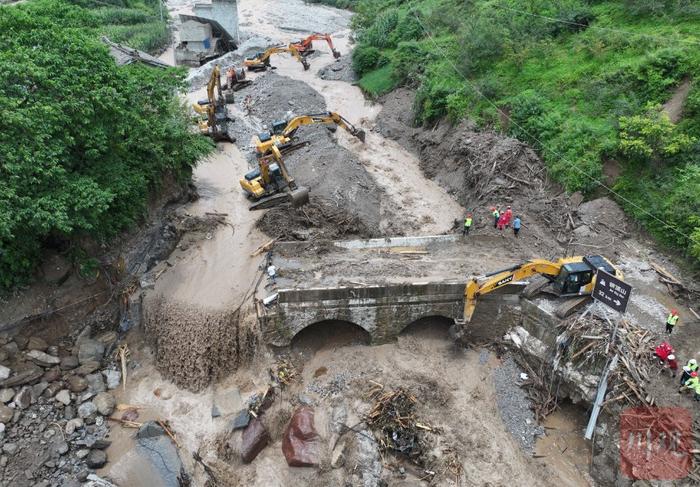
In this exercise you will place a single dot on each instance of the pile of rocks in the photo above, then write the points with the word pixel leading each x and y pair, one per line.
pixel 54 400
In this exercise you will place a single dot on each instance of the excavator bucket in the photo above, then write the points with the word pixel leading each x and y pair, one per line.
pixel 299 197
pixel 336 53
pixel 360 134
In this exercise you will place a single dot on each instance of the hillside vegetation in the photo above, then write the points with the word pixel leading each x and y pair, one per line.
pixel 137 23
pixel 83 143
pixel 582 81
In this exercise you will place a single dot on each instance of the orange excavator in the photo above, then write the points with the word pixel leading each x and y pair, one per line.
pixel 305 46
pixel 261 61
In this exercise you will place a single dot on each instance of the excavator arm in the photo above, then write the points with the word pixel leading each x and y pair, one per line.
pixel 262 60
pixel 316 118
pixel 305 46
pixel 283 138
pixel 498 279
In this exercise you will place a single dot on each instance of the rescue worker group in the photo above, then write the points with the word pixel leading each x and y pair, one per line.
pixel 501 221
pixel 666 356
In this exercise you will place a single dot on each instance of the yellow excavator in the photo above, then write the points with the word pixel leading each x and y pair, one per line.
pixel 215 125
pixel 282 135
pixel 261 61
pixel 569 277
pixel 270 184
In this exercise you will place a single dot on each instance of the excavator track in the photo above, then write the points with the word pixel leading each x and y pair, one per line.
pixel 535 286
pixel 570 305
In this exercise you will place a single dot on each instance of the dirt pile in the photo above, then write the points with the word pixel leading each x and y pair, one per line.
pixel 195 347
pixel 345 199
pixel 340 70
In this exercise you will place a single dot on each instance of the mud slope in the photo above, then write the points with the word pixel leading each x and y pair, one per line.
pixel 345 199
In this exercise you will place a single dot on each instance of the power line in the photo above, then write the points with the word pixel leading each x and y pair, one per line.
pixel 588 26
pixel 571 164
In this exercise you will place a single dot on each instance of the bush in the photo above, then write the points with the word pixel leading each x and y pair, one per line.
pixel 365 59
pixel 379 34
pixel 409 60
pixel 652 137
pixel 534 118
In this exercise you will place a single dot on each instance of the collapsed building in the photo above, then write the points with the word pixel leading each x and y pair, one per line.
pixel 211 31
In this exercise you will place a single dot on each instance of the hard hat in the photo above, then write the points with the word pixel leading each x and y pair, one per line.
pixel 508 206
pixel 693 374
pixel 493 208
pixel 674 312
pixel 692 361
pixel 671 357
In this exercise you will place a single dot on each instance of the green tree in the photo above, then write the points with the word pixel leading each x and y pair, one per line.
pixel 83 143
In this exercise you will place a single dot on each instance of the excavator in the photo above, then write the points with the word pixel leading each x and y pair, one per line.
pixel 305 46
pixel 261 61
pixel 271 184
pixel 282 135
pixel 235 79
pixel 214 108
pixel 569 277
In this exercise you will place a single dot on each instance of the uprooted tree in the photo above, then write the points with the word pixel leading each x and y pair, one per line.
pixel 83 143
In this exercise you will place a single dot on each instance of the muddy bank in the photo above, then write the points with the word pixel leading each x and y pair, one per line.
pixel 196 346
pixel 344 199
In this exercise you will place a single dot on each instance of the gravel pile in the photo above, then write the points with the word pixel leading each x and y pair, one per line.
pixel 514 405
pixel 340 70
pixel 54 401
pixel 336 384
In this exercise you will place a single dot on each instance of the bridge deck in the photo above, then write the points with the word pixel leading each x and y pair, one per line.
pixel 447 258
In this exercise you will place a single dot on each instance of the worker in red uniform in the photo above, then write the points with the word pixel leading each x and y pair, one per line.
pixel 672 365
pixel 502 221
pixel 663 351
pixel 509 216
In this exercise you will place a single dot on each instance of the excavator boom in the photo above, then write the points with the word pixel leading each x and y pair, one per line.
pixel 262 60
pixel 305 46
pixel 283 137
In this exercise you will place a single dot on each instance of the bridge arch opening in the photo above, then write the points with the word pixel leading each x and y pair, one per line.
pixel 329 334
pixel 428 327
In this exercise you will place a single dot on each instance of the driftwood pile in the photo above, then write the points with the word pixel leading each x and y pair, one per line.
pixel 395 424
pixel 590 342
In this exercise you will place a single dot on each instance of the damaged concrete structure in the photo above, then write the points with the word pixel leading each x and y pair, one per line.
pixel 209 33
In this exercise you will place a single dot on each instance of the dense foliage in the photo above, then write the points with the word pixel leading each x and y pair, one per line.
pixel 583 81
pixel 82 142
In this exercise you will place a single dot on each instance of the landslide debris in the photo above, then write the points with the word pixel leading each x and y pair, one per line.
pixel 344 198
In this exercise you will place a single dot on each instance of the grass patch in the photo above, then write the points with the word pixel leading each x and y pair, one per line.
pixel 379 82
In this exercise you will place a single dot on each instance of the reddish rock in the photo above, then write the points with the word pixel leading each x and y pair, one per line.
pixel 77 383
pixel 255 438
pixel 300 443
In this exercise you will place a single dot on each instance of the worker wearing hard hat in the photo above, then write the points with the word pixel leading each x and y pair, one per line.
pixel 672 364
pixel 691 383
pixel 671 321
pixel 690 367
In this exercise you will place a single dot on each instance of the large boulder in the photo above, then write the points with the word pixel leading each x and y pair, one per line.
pixel 6 414
pixel 255 438
pixel 300 442
pixel 90 351
pixel 42 358
pixel 23 399
pixel 36 343
pixel 164 463
pixel 105 403
pixel 4 372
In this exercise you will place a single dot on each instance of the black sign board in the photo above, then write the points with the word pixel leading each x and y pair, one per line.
pixel 611 291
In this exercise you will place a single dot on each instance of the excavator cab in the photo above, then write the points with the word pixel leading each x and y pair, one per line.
pixel 572 278
pixel 279 126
